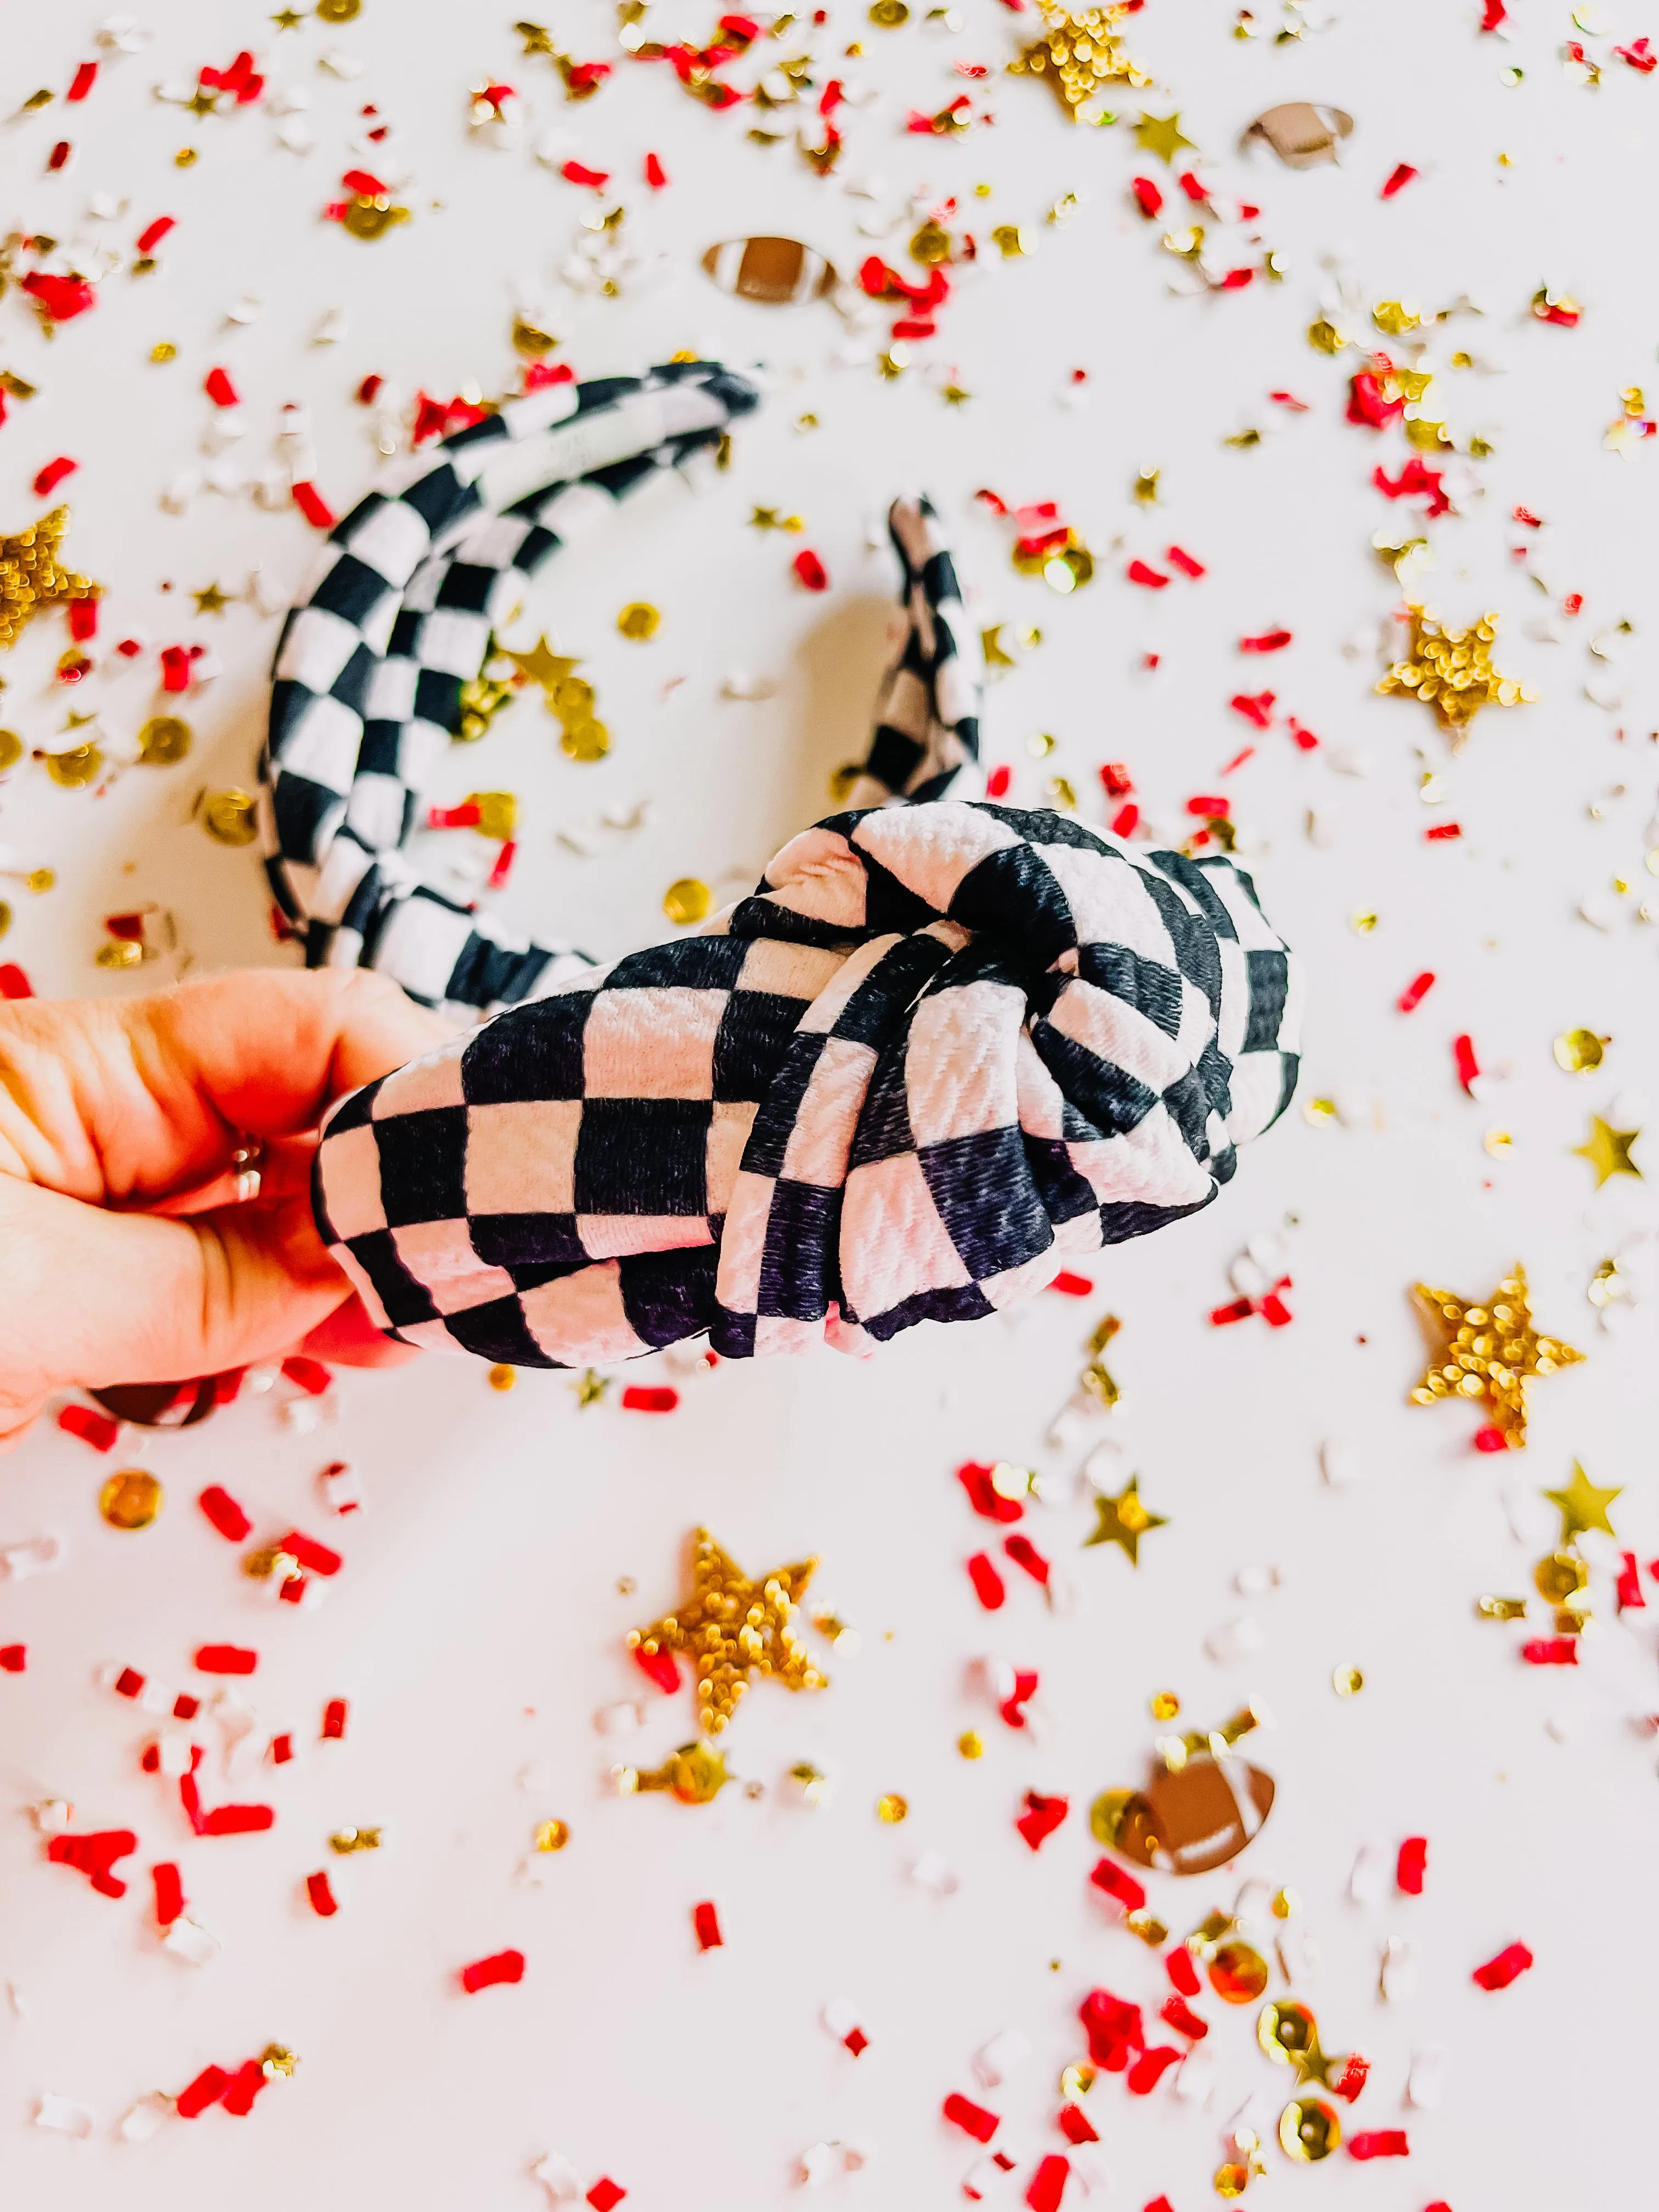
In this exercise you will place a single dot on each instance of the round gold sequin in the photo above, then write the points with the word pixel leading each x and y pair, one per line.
pixel 888 15
pixel 76 768
pixel 163 741
pixel 498 813
pixel 531 340
pixel 1077 2081
pixel 1164 1706
pixel 1560 1575
pixel 640 620
pixel 891 1809
pixel 552 1836
pixel 12 749
pixel 232 816
pixel 584 740
pixel 1232 2180
pixel 339 11
pixel 1579 1051
pixel 503 1378
pixel 373 218
pixel 687 901
pixel 1239 1973
pixel 971 1744
pixel 1309 2130
pixel 130 1499
pixel 120 953
pixel 1289 2035
pixel 1348 1682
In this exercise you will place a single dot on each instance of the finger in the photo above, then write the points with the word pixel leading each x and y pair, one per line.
pixel 350 1339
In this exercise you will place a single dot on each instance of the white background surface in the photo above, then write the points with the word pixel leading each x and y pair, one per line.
pixel 476 1628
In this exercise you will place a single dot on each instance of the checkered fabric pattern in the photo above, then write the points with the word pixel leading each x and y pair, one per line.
pixel 397 618
pixel 941 1048
pixel 927 719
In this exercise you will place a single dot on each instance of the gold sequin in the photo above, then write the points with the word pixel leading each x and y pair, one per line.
pixel 131 1499
pixel 552 1836
pixel 891 1809
pixel 163 741
pixel 687 901
pixel 639 620
pixel 1578 1051
pixel 231 817
pixel 1348 1682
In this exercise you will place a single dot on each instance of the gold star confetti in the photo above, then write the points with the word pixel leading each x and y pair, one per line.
pixel 1492 1351
pixel 590 1386
pixel 1608 1150
pixel 32 577
pixel 1080 51
pixel 1161 135
pixel 1451 671
pixel 1582 1505
pixel 732 1627
pixel 996 654
pixel 212 601
pixel 288 20
pixel 1124 1520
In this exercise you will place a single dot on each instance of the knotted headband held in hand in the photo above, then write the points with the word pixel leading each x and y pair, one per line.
pixel 941 1047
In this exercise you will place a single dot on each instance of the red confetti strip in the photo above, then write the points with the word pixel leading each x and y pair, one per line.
pixel 1071 1286
pixel 1640 56
pixel 986 1500
pixel 49 477
pixel 1184 562
pixel 310 1553
pixel 1416 991
pixel 324 1903
pixel 1223 1316
pixel 810 570
pixel 1305 739
pixel 1208 807
pixel 84 620
pixel 1239 759
pixel 175 668
pixel 1628 1589
pixel 169 1893
pixel 14 984
pixel 1012 1707
pixel 485 1973
pixel 1042 1816
pixel 293 1589
pixel 1271 640
pixel 226 1515
pixel 210 2085
pixel 1153 579
pixel 1024 1553
pixel 14 1658
pixel 856 2041
pixel 245 2085
pixel 219 388
pixel 655 175
pixel 129 1682
pixel 1511 1963
pixel 1489 1439
pixel 661 1667
pixel 707 1922
pixel 334 1720
pixel 281 1749
pixel 1289 399
pixel 83 81
pixel 1049 2183
pixel 1412 1865
pixel 1398 180
pixel 61 298
pixel 1181 1970
pixel 308 1375
pixel 1158 2204
pixel 1126 821
pixel 638 1398
pixel 605 2194
pixel 238 79
pixel 1496 13
pixel 1380 2142
pixel 226 1659
pixel 237 1821
pixel 1369 404
pixel 1356 2072
pixel 1256 706
pixel 1148 198
pixel 1149 2069
pixel 578 173
pixel 1469 1068
pixel 152 234
pixel 1116 780
pixel 1114 2029
pixel 972 2118
pixel 316 511
pixel 1414 477
pixel 1551 1651
pixel 1177 2014
pixel 98 1430
pixel 93 1856
pixel 988 1583
pixel 996 784
pixel 1074 2125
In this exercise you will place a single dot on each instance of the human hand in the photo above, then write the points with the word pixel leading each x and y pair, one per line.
pixel 124 1253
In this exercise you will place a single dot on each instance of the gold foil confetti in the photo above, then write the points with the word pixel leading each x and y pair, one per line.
pixel 1348 1682
pixel 131 1499
pixel 33 577
pixel 1010 242
pixel 1239 1973
pixel 231 817
pixel 888 14
pixel 164 741
pixel 696 1775
pixel 1164 1706
pixel 639 620
pixel 163 351
pixel 1492 1353
pixel 552 1836
pixel 891 1809
pixel 971 1744
pixel 347 1840
pixel 1452 672
pixel 1609 1150
pixel 732 1628
pixel 687 901
pixel 339 11
pixel 502 1376
pixel 12 747
pixel 1309 2130
pixel 1123 1521
pixel 1077 2081
pixel 1079 52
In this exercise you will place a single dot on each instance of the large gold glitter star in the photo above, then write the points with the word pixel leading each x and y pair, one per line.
pixel 1124 1520
pixel 1608 1150
pixel 1079 51
pixel 1492 1352
pixel 1451 671
pixel 731 1628
pixel 1582 1505
pixel 1161 135
pixel 32 577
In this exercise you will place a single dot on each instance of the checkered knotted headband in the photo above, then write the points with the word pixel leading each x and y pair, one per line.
pixel 371 666
pixel 941 1047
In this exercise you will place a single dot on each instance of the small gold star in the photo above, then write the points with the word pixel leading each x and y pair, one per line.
pixel 287 21
pixel 1582 1505
pixel 954 395
pixel 201 103
pixel 31 576
pixel 1161 135
pixel 541 665
pixel 1451 671
pixel 1608 1150
pixel 1124 1520
pixel 212 601
pixel 764 518
pixel 996 654
pixel 1492 1352
pixel 590 1386
pixel 732 1627
pixel 536 39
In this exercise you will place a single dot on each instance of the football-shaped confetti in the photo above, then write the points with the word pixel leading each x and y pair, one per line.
pixel 776 271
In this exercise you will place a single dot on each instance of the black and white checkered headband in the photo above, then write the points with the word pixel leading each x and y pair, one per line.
pixel 398 619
